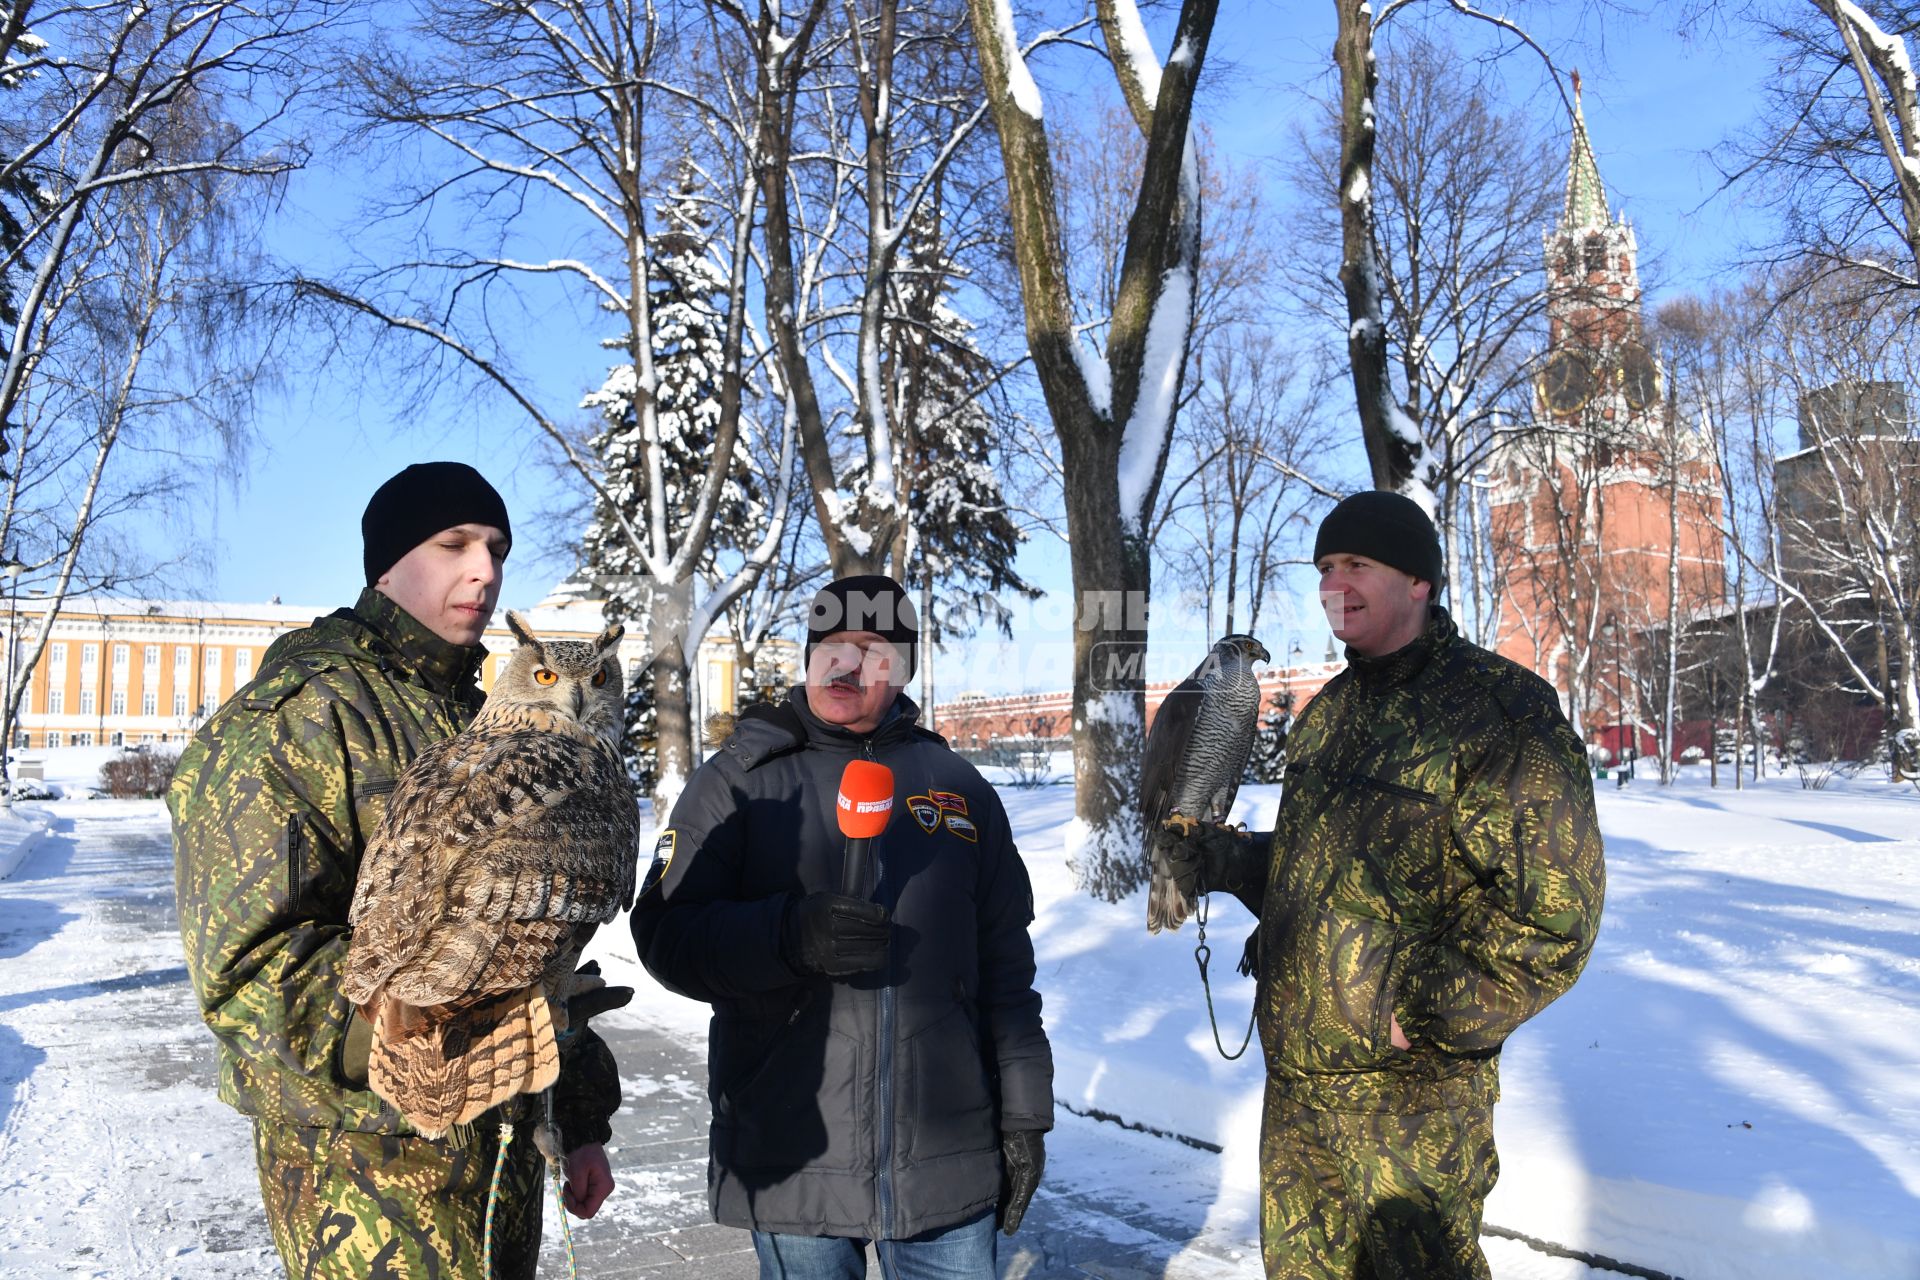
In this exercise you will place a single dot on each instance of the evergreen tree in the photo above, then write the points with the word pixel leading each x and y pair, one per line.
pixel 960 536
pixel 686 300
pixel 1268 760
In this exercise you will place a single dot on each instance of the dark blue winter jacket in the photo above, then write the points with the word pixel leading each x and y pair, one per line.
pixel 869 1107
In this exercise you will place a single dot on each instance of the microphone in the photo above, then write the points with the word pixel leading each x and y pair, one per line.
pixel 864 805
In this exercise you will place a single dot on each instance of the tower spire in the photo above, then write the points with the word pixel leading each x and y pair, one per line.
pixel 1586 198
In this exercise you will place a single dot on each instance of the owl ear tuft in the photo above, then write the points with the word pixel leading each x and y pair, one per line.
pixel 524 634
pixel 609 638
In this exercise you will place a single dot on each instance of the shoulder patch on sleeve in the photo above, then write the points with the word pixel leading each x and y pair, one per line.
pixel 663 850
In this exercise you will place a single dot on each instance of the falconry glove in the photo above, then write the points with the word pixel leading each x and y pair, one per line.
pixel 834 936
pixel 1203 857
pixel 1023 1154
pixel 592 997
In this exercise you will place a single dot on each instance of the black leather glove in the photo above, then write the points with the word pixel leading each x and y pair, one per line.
pixel 1023 1154
pixel 1211 858
pixel 834 936
pixel 592 996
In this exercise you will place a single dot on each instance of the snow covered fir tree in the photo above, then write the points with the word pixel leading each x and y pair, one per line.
pixel 958 539
pixel 686 316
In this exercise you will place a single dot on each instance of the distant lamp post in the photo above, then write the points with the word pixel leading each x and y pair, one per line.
pixel 11 569
pixel 1623 752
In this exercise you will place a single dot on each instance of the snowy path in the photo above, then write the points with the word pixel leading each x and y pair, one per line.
pixel 115 1157
pixel 1733 1090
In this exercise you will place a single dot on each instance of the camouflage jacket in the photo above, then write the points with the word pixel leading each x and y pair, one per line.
pixel 1436 860
pixel 272 805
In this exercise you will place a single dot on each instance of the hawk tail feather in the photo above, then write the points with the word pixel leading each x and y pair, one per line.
pixel 1167 907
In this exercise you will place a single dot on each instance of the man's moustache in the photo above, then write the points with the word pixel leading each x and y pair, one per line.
pixel 848 679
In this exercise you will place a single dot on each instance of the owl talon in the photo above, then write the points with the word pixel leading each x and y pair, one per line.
pixel 1180 824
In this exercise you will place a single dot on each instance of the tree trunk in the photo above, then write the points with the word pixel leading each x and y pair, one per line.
pixel 1111 580
pixel 1390 454
pixel 1106 421
pixel 925 658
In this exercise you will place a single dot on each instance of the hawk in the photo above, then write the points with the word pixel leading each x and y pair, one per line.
pixel 1194 759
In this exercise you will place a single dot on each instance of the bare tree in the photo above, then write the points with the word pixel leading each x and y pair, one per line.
pixel 134 157
pixel 1456 210
pixel 542 119
pixel 1243 491
pixel 1837 152
pixel 1721 377
pixel 1848 502
pixel 1396 446
pixel 1113 414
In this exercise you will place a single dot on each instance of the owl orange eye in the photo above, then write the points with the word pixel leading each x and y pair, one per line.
pixel 599 677
pixel 542 676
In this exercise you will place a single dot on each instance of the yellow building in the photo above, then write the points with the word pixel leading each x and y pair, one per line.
pixel 120 672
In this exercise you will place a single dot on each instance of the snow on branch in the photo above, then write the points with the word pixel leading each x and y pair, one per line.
pixel 1132 52
pixel 1147 431
pixel 1021 88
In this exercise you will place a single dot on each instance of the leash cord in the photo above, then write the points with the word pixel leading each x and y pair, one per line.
pixel 558 1176
pixel 1202 954
pixel 493 1196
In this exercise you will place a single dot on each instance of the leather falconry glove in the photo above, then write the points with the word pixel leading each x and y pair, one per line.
pixel 834 936
pixel 1023 1154
pixel 1212 857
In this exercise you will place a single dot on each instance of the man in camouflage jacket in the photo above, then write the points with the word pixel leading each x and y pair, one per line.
pixel 1435 879
pixel 272 805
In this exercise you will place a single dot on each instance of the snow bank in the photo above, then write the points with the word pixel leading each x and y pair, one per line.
pixel 20 828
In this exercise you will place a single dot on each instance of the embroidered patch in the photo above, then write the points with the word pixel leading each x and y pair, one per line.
pixel 925 812
pixel 949 801
pixel 963 827
pixel 662 859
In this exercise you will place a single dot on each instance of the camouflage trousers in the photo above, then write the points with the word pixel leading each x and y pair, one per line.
pixel 1374 1195
pixel 370 1206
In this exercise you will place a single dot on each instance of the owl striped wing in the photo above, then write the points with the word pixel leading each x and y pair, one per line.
pixel 494 851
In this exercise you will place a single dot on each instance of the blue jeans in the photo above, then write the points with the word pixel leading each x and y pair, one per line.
pixel 964 1252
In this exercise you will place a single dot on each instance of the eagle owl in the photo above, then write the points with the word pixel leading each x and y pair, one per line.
pixel 1192 764
pixel 502 849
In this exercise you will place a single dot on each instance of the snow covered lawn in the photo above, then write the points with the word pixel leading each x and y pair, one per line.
pixel 1732 1091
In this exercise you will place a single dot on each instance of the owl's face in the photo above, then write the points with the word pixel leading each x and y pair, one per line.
pixel 575 681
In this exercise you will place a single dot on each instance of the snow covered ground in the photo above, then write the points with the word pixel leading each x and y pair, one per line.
pixel 1731 1092
pixel 1733 1089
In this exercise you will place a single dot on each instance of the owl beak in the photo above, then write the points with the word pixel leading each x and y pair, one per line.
pixel 579 701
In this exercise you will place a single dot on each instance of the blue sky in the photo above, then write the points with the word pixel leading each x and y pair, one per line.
pixel 1655 104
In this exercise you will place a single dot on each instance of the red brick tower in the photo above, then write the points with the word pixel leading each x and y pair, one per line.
pixel 1586 497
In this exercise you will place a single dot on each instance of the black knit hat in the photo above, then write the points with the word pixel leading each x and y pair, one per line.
pixel 865 602
pixel 421 501
pixel 1388 527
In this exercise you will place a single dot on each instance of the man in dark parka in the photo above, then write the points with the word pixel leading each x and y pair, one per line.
pixel 877 1067
pixel 1435 879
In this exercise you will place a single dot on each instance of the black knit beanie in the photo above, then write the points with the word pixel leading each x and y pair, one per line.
pixel 866 602
pixel 421 501
pixel 1388 527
